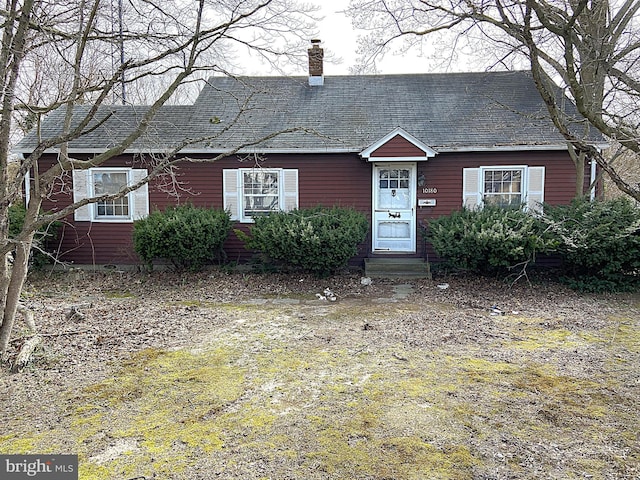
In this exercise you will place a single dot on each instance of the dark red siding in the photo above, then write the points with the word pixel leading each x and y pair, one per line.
pixel 398 146
pixel 444 173
pixel 324 179
pixel 335 179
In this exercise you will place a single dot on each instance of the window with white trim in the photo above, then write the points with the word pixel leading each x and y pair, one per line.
pixel 505 186
pixel 95 182
pixel 260 192
pixel 252 192
pixel 502 187
pixel 110 182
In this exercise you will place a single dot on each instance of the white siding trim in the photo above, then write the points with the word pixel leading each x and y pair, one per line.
pixel 592 180
pixel 27 187
pixel 428 151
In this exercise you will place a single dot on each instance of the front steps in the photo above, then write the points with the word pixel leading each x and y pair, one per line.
pixel 379 267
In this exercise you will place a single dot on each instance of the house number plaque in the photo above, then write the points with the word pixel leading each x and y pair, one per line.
pixel 430 190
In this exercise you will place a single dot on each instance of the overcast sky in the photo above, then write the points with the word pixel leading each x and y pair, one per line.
pixel 339 37
pixel 339 40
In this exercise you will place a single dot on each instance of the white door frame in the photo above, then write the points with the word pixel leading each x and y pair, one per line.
pixel 394 213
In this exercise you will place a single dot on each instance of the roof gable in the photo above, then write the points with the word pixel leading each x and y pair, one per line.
pixel 398 145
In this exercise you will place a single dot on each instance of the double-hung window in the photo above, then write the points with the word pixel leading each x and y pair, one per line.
pixel 504 186
pixel 98 182
pixel 260 192
pixel 110 182
pixel 252 192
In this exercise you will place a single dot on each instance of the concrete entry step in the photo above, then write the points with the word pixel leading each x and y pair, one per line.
pixel 396 268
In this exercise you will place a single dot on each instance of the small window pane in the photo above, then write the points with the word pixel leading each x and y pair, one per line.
pixel 503 187
pixel 109 182
pixel 261 193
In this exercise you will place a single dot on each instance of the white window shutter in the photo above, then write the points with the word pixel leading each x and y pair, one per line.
pixel 80 192
pixel 231 192
pixel 471 188
pixel 535 189
pixel 290 189
pixel 140 196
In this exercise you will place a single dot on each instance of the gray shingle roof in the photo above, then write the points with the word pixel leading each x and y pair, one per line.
pixel 348 113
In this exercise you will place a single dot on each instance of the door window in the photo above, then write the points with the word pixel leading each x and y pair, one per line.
pixel 393 188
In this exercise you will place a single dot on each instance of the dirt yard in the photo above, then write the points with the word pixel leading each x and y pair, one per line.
pixel 251 376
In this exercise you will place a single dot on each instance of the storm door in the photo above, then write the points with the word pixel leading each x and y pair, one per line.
pixel 394 213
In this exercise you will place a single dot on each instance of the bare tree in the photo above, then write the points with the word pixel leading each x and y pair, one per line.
pixel 59 55
pixel 589 48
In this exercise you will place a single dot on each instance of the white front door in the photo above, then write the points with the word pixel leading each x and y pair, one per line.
pixel 394 212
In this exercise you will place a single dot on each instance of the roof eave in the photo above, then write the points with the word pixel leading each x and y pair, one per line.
pixel 317 150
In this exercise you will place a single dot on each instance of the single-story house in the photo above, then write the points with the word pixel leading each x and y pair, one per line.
pixel 400 148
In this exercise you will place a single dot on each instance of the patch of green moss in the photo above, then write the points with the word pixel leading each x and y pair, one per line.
pixel 352 310
pixel 195 303
pixel 567 399
pixel 380 432
pixel 87 424
pixel 547 339
pixel 13 445
pixel 116 294
pixel 341 450
pixel 625 333
pixel 281 360
pixel 479 369
pixel 167 402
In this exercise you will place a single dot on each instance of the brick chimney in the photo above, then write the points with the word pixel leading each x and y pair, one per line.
pixel 316 55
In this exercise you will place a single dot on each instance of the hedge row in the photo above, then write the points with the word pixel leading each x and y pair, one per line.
pixel 598 242
pixel 317 240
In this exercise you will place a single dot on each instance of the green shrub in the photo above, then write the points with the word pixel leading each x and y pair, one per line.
pixel 187 236
pixel 317 240
pixel 488 241
pixel 17 212
pixel 41 253
pixel 599 242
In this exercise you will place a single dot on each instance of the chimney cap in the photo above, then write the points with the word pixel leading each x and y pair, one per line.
pixel 315 41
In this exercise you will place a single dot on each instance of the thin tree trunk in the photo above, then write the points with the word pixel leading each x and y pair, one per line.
pixel 5 276
pixel 18 276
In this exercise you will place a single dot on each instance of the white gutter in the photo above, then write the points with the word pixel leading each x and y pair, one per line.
pixel 209 151
pixel 217 151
